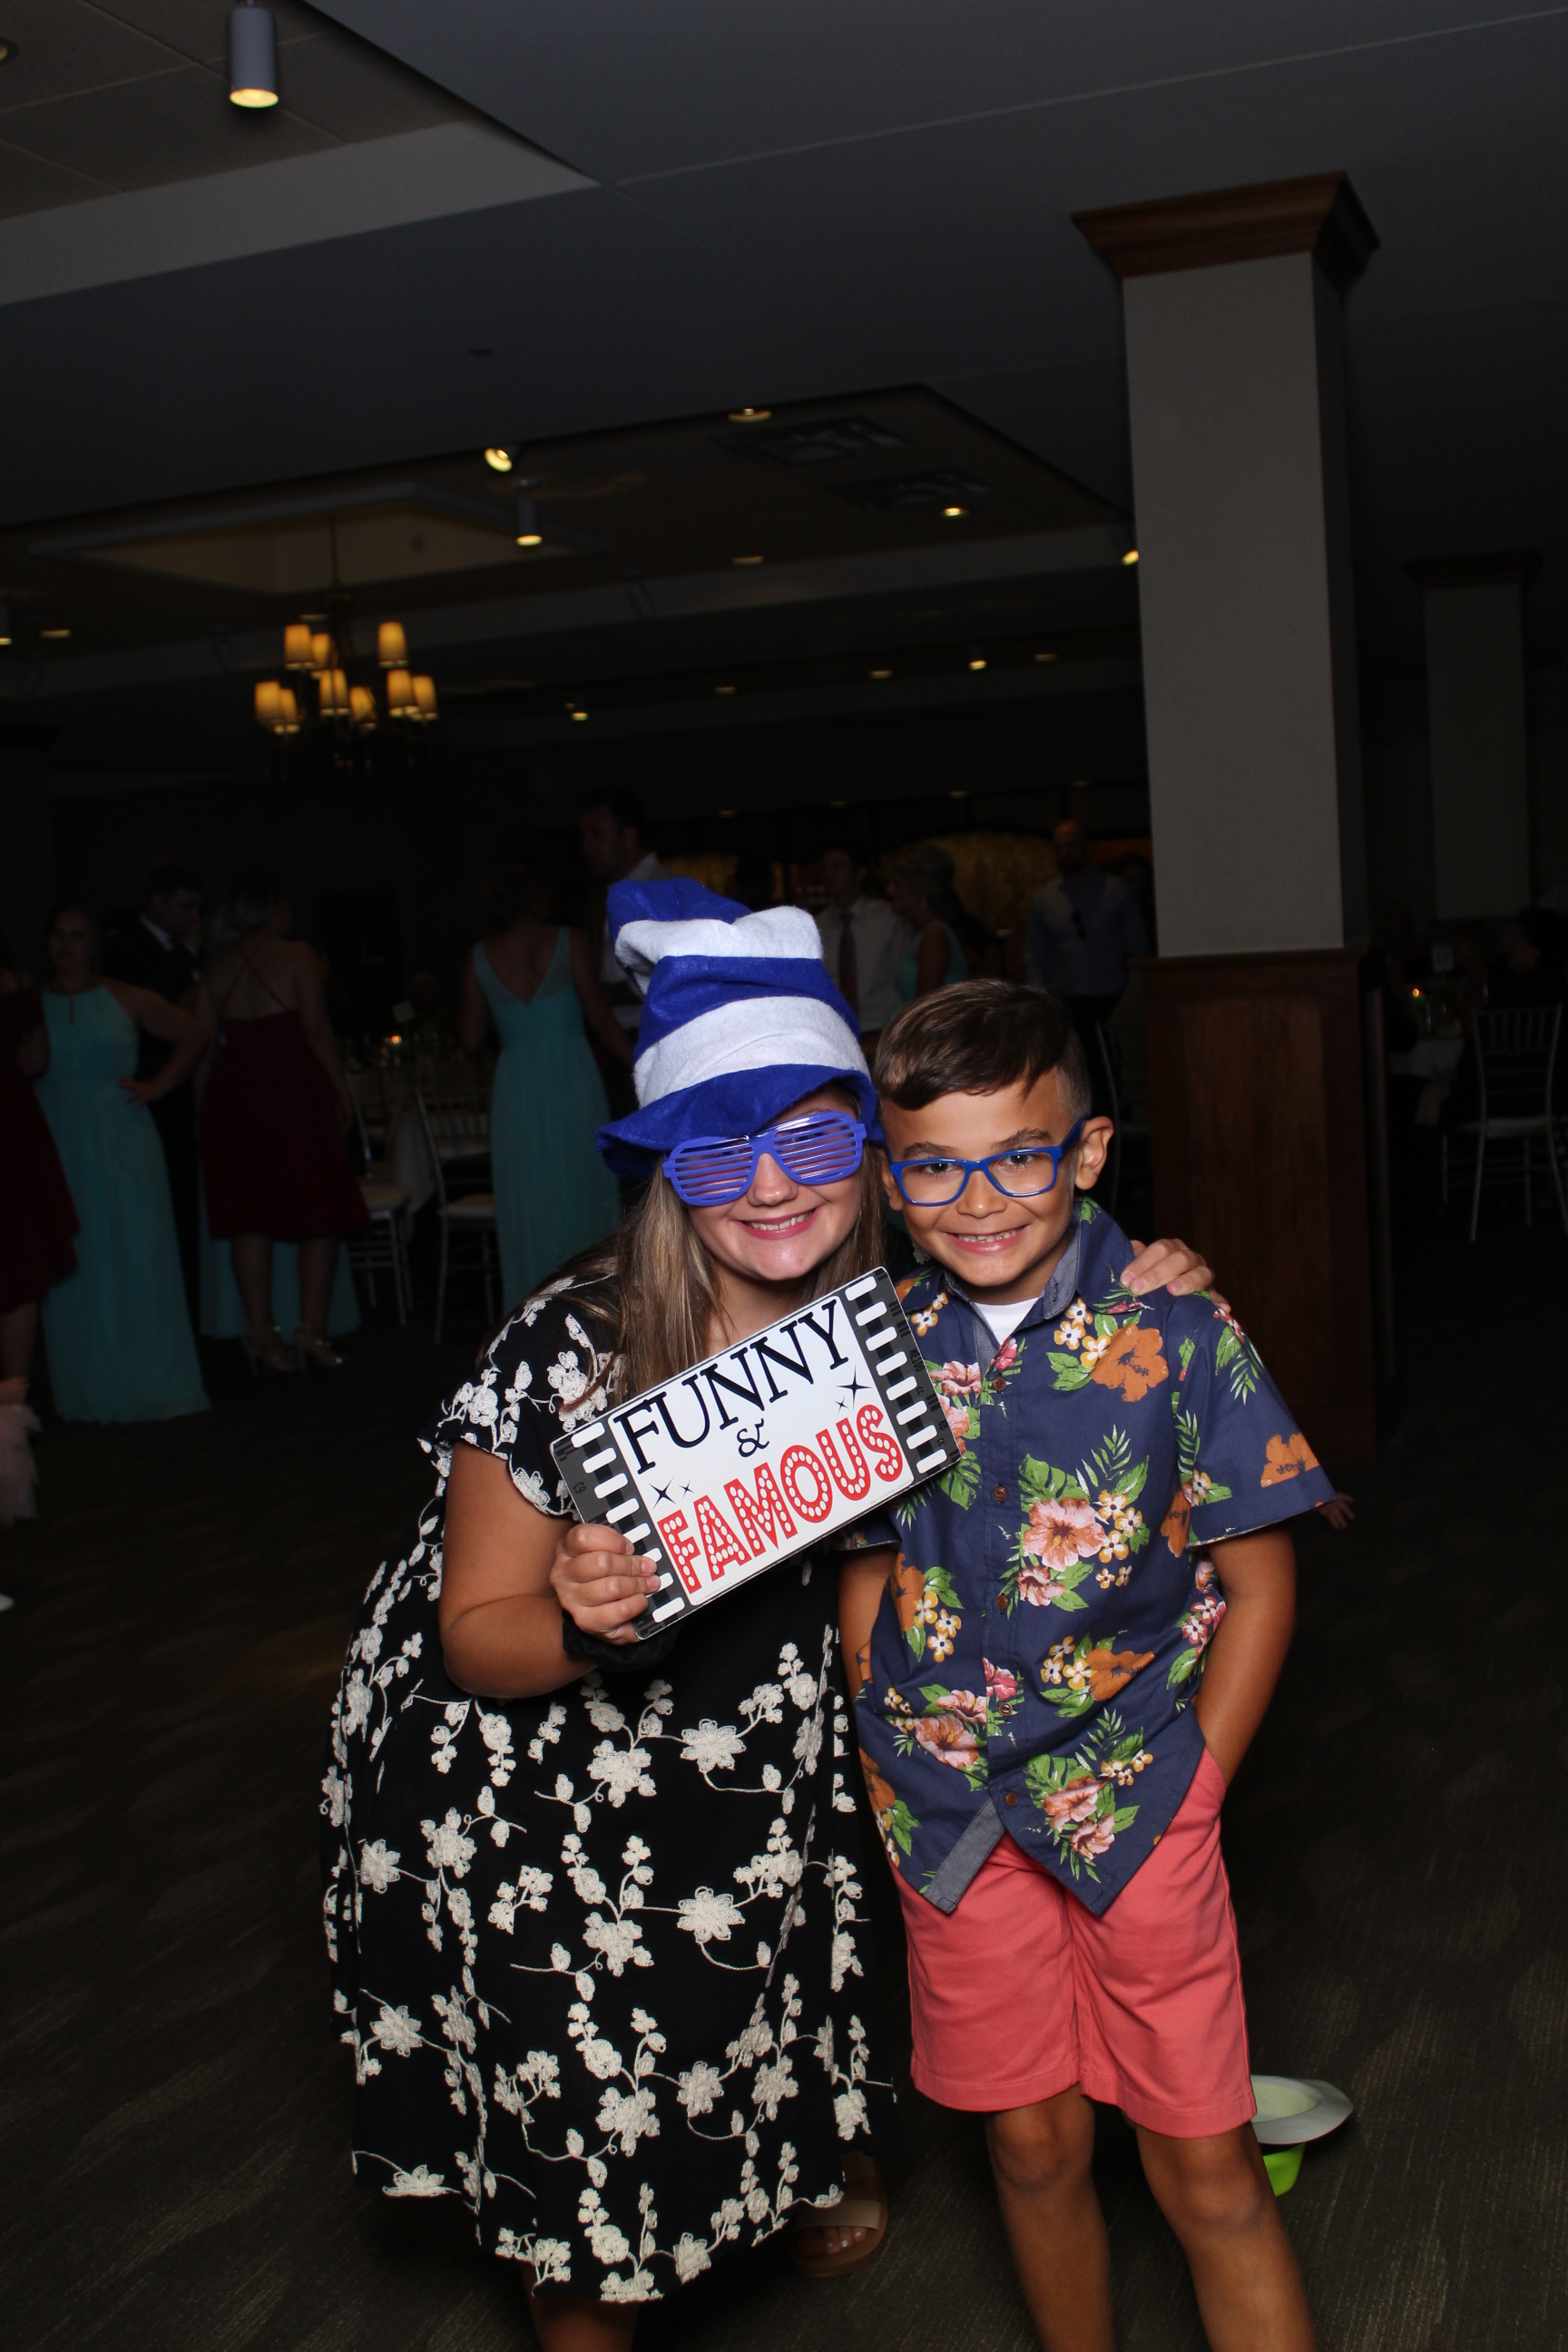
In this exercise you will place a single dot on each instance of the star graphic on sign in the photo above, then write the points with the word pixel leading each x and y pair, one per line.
pixel 663 1494
pixel 684 1492
pixel 856 1387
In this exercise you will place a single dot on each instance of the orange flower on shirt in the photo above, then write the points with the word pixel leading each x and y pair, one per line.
pixel 909 1592
pixel 1287 1457
pixel 1133 1363
pixel 1177 1519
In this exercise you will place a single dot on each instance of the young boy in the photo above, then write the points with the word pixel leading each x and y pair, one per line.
pixel 1062 1665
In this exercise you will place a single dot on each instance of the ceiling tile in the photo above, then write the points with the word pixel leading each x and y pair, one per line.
pixel 64 46
pixel 199 28
pixel 28 184
pixel 175 126
pixel 351 89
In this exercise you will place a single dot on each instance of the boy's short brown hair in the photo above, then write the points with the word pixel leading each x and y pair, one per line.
pixel 976 1038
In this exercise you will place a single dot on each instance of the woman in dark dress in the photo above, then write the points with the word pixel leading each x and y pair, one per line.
pixel 273 1111
pixel 38 1217
pixel 596 1919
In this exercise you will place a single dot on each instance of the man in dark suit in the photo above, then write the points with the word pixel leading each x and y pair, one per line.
pixel 158 950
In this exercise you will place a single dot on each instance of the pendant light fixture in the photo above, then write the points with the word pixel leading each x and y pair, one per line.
pixel 252 56
pixel 326 655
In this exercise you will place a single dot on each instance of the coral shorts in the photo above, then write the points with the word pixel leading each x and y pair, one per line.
pixel 1023 1991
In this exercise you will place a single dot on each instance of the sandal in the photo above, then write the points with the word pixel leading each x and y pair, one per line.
pixel 268 1351
pixel 863 2206
pixel 313 1348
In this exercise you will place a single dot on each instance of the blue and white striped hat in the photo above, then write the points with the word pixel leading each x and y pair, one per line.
pixel 740 1019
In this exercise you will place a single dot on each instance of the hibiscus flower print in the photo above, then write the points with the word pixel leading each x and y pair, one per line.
pixel 1287 1457
pixel 1131 1363
pixel 952 1728
pixel 956 1380
pixel 1059 1532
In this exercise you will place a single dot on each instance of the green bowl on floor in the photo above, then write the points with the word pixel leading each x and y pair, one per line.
pixel 1290 2113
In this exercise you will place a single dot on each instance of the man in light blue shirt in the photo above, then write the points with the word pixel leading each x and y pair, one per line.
pixel 1083 928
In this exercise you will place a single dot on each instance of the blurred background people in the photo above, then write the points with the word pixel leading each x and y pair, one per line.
pixel 920 893
pixel 613 830
pixel 38 1218
pixel 863 942
pixel 752 882
pixel 1083 928
pixel 273 1111
pixel 533 979
pixel 117 1330
pixel 160 950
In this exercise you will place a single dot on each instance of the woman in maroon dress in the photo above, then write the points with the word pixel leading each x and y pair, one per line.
pixel 274 1110
pixel 38 1217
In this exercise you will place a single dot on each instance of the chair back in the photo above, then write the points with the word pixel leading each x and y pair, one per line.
pixel 1516 1055
pixel 457 1129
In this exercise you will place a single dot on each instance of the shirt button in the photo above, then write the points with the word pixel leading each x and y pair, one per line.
pixel 998 1494
pixel 1011 1798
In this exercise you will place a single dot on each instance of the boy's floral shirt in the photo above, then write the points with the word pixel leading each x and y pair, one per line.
pixel 1034 1659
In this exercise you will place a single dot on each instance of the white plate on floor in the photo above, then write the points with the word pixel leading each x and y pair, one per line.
pixel 1292 2110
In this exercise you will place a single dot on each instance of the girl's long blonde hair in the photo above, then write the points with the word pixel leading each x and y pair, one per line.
pixel 666 1299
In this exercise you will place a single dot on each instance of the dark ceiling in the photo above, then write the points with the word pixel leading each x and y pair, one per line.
pixel 664 215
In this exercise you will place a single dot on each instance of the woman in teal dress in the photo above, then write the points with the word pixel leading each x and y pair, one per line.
pixel 920 883
pixel 117 1331
pixel 535 982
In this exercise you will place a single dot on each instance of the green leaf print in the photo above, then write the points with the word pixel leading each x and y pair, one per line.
pixel 1066 1372
pixel 1184 1667
pixel 1186 1352
pixel 1123 1818
pixel 900 1826
pixel 962 1483
pixel 916 1638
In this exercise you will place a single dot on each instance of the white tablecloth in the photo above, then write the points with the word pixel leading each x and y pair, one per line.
pixel 1430 1058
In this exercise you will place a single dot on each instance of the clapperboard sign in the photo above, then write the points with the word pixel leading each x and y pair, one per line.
pixel 762 1450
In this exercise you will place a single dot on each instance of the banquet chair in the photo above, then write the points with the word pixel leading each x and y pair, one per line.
pixel 1516 1058
pixel 458 1128
pixel 379 1249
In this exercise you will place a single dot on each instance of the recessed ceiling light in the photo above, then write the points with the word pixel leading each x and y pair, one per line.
pixel 746 559
pixel 978 663
pixel 723 689
pixel 951 513
pixel 54 632
pixel 1130 556
pixel 748 417
pixel 1044 657
pixel 499 461
pixel 882 673
pixel 529 539
pixel 7 51
pixel 579 714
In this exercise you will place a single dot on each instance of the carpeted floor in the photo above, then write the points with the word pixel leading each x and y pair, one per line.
pixel 173 2098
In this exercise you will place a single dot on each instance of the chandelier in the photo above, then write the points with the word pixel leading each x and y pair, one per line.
pixel 323 656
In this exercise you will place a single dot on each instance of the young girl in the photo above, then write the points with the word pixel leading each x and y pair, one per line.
pixel 595 1906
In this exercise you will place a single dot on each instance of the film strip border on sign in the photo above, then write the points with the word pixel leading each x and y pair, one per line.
pixel 600 1480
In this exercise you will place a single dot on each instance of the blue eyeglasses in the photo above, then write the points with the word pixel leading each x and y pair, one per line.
pixel 1021 1175
pixel 711 1170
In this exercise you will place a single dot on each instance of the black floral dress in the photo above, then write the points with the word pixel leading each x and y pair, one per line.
pixel 600 1957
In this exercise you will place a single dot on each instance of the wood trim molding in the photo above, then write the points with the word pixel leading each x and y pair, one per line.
pixel 1475 571
pixel 1321 216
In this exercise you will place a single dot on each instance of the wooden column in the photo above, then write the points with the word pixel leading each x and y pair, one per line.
pixel 1233 305
pixel 1260 1160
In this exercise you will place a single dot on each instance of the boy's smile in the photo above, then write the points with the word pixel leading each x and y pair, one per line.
pixel 1005 1249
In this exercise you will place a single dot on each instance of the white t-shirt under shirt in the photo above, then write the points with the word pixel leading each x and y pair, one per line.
pixel 1003 1320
